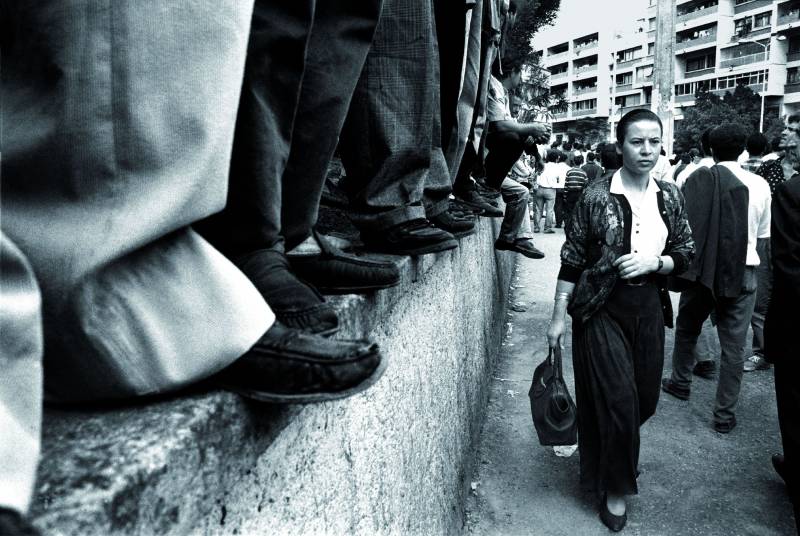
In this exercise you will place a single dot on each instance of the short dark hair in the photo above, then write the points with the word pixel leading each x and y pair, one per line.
pixel 577 160
pixel 640 114
pixel 567 146
pixel 686 158
pixel 590 156
pixel 793 118
pixel 553 155
pixel 705 146
pixel 577 146
pixel 757 144
pixel 694 152
pixel 727 141
pixel 609 158
pixel 562 156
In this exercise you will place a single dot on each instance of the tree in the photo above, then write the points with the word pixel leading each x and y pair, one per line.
pixel 741 106
pixel 590 130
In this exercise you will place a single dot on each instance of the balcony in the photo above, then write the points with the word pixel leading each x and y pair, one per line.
pixel 556 76
pixel 560 115
pixel 624 64
pixel 757 88
pixel 754 4
pixel 699 72
pixel 696 14
pixel 793 87
pixel 561 56
pixel 588 111
pixel 684 98
pixel 585 46
pixel 789 17
pixel 681 44
pixel 742 60
pixel 584 90
pixel 793 56
pixel 580 71
pixel 624 87
pixel 625 109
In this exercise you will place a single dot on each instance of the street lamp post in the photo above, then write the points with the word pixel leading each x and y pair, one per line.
pixel 764 70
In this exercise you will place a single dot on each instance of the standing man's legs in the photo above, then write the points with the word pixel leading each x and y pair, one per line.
pixel 764 276
pixel 695 305
pixel 733 317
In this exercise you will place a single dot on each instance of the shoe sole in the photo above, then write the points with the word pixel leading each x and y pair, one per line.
pixel 311 398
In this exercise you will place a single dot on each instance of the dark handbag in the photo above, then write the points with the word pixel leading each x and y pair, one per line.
pixel 554 412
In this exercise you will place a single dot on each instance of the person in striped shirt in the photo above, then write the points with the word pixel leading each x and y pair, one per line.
pixel 573 186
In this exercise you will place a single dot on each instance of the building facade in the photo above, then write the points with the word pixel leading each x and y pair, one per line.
pixel 719 44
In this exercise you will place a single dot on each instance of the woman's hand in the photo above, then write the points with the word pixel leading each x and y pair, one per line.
pixel 636 264
pixel 555 332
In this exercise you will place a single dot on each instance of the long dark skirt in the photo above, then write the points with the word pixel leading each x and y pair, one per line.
pixel 618 357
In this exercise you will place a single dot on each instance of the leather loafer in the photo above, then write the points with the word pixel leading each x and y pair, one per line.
pixel 669 387
pixel 705 369
pixel 725 427
pixel 295 303
pixel 290 366
pixel 520 245
pixel 336 272
pixel 473 199
pixel 458 226
pixel 413 237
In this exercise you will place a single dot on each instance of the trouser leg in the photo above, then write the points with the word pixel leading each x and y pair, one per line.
pixel 504 150
pixel 273 74
pixel 763 292
pixel 787 394
pixel 340 40
pixel 463 182
pixel 733 317
pixel 387 140
pixel 549 196
pixel 20 377
pixel 694 307
pixel 559 207
pixel 516 221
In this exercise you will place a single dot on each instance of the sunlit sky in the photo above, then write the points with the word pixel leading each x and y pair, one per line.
pixel 578 17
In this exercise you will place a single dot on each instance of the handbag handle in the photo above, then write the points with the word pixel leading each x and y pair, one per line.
pixel 554 356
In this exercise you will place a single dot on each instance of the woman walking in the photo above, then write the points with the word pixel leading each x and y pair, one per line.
pixel 626 233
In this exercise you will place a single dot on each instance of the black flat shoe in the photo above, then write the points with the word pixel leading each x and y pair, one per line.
pixel 614 522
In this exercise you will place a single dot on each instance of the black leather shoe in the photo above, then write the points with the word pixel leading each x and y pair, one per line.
pixel 669 387
pixel 705 369
pixel 12 523
pixel 779 464
pixel 614 522
pixel 295 303
pixel 289 366
pixel 458 226
pixel 725 427
pixel 458 206
pixel 473 199
pixel 336 272
pixel 414 237
pixel 520 245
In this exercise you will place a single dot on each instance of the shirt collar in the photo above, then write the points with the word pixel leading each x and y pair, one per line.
pixel 617 188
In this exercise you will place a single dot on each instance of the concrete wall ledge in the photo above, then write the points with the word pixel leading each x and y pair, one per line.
pixel 390 460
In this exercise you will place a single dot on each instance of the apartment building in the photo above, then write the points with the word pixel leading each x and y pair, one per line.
pixel 719 44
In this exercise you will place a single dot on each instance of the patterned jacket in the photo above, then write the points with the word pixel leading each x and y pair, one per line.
pixel 600 232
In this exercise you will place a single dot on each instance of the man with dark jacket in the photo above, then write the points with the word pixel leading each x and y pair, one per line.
pixel 728 211
pixel 780 330
pixel 591 168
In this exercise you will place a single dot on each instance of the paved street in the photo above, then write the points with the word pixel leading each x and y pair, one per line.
pixel 694 481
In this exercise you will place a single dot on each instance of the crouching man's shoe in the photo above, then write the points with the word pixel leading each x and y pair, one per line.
pixel 332 271
pixel 520 245
pixel 291 367
pixel 413 237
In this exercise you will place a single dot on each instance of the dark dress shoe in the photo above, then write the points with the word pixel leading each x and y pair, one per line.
pixel 336 272
pixel 520 245
pixel 459 206
pixel 725 427
pixel 705 369
pixel 413 237
pixel 295 303
pixel 473 199
pixel 12 523
pixel 669 387
pixel 290 366
pixel 614 522
pixel 458 226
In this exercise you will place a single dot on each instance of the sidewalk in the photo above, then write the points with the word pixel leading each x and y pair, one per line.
pixel 694 481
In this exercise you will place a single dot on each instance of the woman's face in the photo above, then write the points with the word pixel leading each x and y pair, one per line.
pixel 641 147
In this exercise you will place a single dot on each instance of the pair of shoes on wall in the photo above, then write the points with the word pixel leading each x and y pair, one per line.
pixel 520 245
pixel 414 237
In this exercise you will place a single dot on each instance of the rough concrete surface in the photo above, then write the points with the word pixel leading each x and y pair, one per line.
pixel 388 461
pixel 694 481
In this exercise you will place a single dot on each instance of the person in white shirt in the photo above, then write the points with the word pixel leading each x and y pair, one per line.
pixel 663 169
pixel 734 308
pixel 681 177
pixel 552 177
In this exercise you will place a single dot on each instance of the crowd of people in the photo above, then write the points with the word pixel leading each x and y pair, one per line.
pixel 163 169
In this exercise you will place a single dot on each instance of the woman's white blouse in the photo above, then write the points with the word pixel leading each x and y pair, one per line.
pixel 648 231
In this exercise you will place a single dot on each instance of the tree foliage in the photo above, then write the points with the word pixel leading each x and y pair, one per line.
pixel 590 130
pixel 742 106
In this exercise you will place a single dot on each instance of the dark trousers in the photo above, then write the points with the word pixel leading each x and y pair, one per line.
pixel 732 318
pixel 618 357
pixel 787 393
pixel 763 293
pixel 559 207
pixel 391 141
pixel 297 87
pixel 505 148
pixel 570 200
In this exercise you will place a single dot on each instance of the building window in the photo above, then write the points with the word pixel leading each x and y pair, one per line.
pixel 651 49
pixel 652 24
pixel 628 100
pixel 624 79
pixel 792 75
pixel 699 63
pixel 692 87
pixel 629 54
pixel 588 104
pixel 730 82
pixel 740 2
pixel 762 20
